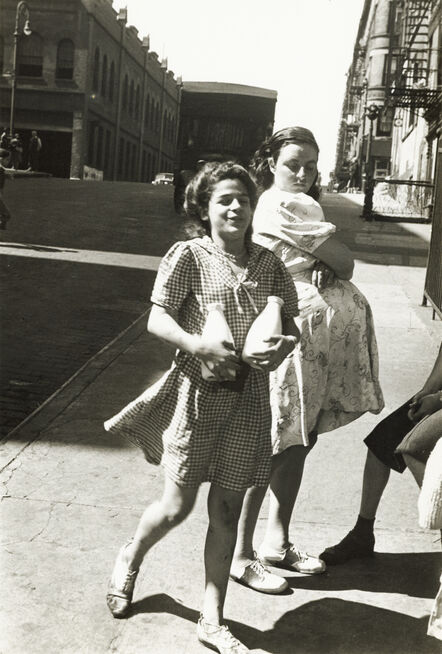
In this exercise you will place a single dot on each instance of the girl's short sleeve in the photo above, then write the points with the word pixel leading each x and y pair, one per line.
pixel 174 278
pixel 285 289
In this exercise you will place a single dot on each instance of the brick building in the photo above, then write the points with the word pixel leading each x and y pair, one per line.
pixel 91 87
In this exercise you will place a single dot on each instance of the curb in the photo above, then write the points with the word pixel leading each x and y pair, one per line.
pixel 30 428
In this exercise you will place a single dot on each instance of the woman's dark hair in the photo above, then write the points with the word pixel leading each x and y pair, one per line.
pixel 200 188
pixel 271 148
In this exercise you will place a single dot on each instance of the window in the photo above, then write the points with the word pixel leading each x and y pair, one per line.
pixel 137 102
pixel 147 111
pixel 111 82
pixel 96 73
pixel 131 98
pixel 1 54
pixel 65 60
pixel 30 56
pixel 104 77
pixel 381 167
pixel 385 122
pixel 125 91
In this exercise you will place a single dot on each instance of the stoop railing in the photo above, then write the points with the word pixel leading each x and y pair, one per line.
pixel 398 200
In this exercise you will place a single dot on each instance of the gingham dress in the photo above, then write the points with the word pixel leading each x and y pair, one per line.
pixel 199 430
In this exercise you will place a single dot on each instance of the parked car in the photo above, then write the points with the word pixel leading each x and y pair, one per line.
pixel 163 178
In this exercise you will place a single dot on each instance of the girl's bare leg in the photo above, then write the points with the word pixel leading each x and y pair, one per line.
pixel 158 519
pixel 224 508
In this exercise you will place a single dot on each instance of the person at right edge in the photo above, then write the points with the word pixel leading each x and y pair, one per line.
pixel 403 439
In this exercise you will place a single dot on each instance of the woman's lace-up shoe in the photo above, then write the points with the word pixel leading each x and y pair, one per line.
pixel 121 587
pixel 292 559
pixel 255 575
pixel 219 638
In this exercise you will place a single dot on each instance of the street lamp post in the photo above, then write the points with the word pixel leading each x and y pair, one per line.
pixel 372 113
pixel 22 9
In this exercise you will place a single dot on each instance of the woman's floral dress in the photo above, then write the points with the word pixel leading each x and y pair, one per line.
pixel 332 378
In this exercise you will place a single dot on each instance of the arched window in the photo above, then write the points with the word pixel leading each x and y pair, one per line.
pixel 152 113
pixel 96 73
pixel 65 59
pixel 157 117
pixel 111 82
pixel 1 54
pixel 137 102
pixel 131 98
pixel 104 77
pixel 147 110
pixel 125 90
pixel 30 56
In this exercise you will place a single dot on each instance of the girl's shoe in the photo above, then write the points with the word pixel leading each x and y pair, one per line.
pixel 256 576
pixel 292 559
pixel 219 638
pixel 121 587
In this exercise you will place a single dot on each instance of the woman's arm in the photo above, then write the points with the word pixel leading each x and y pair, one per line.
pixel 337 256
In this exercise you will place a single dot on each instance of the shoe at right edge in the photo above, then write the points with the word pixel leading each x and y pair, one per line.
pixel 352 546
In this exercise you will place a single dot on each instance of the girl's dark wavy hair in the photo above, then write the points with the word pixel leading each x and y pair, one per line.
pixel 271 148
pixel 199 190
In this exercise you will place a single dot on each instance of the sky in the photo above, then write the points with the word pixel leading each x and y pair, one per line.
pixel 300 48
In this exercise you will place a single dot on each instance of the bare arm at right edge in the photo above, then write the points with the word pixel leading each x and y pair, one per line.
pixel 336 256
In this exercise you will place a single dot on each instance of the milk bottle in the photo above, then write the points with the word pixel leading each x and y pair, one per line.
pixel 215 330
pixel 267 324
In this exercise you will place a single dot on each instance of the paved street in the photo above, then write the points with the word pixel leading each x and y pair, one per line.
pixel 72 494
pixel 57 311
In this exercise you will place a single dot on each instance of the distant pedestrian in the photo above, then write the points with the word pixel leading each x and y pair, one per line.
pixel 16 147
pixel 34 149
pixel 5 214
pixel 199 430
pixel 5 140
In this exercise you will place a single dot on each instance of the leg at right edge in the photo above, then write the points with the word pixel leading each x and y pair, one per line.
pixel 359 542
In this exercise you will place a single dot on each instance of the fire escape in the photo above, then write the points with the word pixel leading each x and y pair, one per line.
pixel 412 80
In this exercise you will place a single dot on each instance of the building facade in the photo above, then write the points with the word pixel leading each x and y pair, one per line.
pixel 223 121
pixel 391 121
pixel 96 94
pixel 395 70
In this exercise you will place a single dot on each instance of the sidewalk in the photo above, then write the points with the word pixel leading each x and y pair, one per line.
pixel 73 494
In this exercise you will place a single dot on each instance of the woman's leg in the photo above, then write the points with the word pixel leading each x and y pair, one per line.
pixel 224 508
pixel 286 477
pixel 158 519
pixel 376 475
pixel 244 550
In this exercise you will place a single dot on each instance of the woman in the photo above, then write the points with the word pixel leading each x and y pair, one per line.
pixel 333 378
pixel 216 431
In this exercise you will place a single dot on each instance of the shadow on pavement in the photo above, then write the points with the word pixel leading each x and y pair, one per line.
pixel 325 626
pixel 414 574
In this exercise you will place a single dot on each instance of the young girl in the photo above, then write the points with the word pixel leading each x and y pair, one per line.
pixel 203 430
